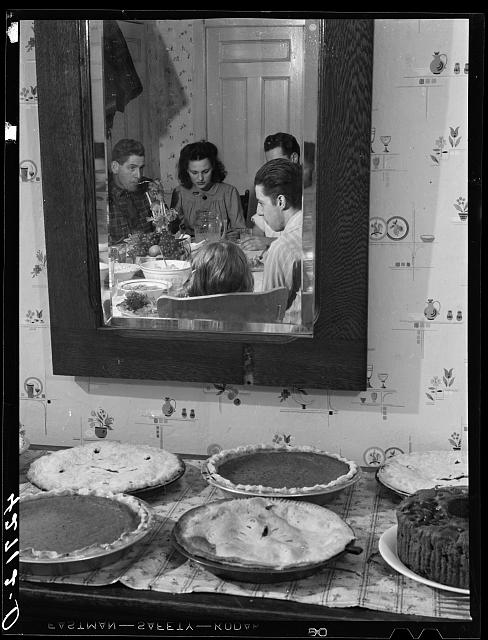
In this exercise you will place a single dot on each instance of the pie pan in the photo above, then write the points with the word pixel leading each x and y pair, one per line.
pixel 383 483
pixel 147 492
pixel 93 559
pixel 259 574
pixel 232 569
pixel 318 496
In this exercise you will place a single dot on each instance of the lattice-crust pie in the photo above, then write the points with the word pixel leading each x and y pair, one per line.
pixel 263 532
pixel 75 525
pixel 265 468
pixel 110 466
pixel 410 472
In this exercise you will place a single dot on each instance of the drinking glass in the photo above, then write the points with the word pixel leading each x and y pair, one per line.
pixel 208 226
pixel 383 377
pixel 369 374
pixel 386 141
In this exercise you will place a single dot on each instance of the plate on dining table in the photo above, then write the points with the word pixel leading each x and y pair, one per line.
pixel 388 549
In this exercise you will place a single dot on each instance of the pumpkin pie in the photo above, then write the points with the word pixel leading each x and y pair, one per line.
pixel 279 469
pixel 75 525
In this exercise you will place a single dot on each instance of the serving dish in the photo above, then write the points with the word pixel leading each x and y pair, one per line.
pixel 319 496
pixel 257 574
pixel 151 288
pixel 93 559
pixel 388 549
pixel 174 271
pixel 125 271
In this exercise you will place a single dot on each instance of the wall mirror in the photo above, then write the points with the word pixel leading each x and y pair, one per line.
pixel 168 83
pixel 326 347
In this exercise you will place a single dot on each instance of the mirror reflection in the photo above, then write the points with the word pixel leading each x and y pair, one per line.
pixel 205 172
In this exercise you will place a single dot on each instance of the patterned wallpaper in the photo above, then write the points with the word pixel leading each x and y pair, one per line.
pixel 171 52
pixel 416 398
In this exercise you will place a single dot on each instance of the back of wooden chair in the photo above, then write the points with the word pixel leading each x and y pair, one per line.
pixel 255 306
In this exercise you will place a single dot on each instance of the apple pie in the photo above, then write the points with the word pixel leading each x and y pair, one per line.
pixel 278 469
pixel 409 472
pixel 263 533
pixel 111 466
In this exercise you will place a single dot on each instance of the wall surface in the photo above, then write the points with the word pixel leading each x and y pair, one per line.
pixel 417 398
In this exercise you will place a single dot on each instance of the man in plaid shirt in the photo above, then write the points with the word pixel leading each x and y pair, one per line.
pixel 129 205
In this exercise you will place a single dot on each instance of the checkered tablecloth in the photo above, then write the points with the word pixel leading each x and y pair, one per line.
pixel 364 580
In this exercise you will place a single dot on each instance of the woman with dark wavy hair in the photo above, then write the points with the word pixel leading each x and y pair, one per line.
pixel 201 175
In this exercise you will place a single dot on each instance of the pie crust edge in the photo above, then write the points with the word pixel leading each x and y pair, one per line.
pixel 37 470
pixel 217 459
pixel 134 504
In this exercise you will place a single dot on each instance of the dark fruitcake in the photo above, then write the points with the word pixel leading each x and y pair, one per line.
pixel 433 535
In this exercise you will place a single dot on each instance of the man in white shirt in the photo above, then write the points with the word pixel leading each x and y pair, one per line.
pixel 278 188
pixel 277 145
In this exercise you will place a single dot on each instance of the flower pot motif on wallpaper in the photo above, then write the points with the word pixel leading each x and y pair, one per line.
pixel 439 385
pixel 41 264
pixel 455 440
pixel 283 438
pixel 440 152
pixel 34 316
pixel 100 422
pixel 461 206
pixel 28 94
pixel 231 392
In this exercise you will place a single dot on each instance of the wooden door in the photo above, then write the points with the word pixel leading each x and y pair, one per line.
pixel 254 87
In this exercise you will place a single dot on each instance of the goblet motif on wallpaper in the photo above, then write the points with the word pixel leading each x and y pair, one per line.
pixel 369 373
pixel 386 141
pixel 373 134
pixel 382 378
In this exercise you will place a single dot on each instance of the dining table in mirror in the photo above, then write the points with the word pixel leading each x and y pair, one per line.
pixel 133 219
pixel 254 75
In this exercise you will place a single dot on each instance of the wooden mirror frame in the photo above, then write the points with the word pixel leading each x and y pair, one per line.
pixel 336 356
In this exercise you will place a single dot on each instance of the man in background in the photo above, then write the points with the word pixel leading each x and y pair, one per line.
pixel 129 206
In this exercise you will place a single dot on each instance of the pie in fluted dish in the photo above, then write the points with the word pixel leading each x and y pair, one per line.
pixel 74 525
pixel 279 469
pixel 410 472
pixel 111 466
pixel 263 533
